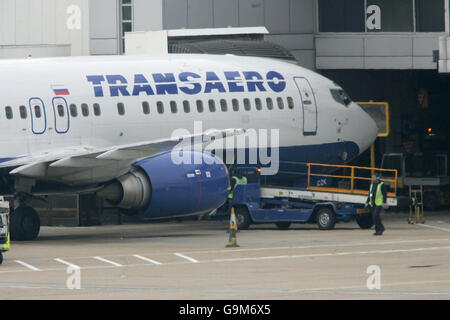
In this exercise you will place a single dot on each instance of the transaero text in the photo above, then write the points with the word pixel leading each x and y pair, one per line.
pixel 190 83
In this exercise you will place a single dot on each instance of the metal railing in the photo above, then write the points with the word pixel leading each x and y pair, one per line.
pixel 352 178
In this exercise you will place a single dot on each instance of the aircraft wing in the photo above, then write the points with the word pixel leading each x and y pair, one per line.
pixel 83 165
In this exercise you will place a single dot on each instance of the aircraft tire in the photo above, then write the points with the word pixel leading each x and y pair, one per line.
pixel 25 224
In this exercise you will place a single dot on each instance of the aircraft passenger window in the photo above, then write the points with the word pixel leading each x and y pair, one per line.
pixel 247 105
pixel 223 105
pixel 212 105
pixel 84 109
pixel 173 107
pixel 269 103
pixel 60 109
pixel 37 111
pixel 160 107
pixel 186 106
pixel 235 103
pixel 97 110
pixel 73 110
pixel 23 112
pixel 8 112
pixel 258 104
pixel 146 107
pixel 199 106
pixel 280 103
pixel 290 102
pixel 121 108
pixel 340 96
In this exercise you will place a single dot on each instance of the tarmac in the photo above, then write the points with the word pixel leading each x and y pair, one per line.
pixel 188 260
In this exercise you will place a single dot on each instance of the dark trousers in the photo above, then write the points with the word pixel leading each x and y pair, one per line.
pixel 376 216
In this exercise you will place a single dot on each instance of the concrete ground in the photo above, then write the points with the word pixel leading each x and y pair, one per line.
pixel 188 260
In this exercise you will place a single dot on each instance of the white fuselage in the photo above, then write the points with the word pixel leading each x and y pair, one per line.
pixel 310 117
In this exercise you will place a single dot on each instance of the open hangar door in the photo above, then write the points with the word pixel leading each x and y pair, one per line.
pixel 419 107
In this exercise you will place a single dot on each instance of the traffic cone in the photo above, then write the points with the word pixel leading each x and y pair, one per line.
pixel 233 230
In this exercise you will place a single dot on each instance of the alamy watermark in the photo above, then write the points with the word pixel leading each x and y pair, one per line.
pixel 374 280
pixel 73 281
pixel 73 21
pixel 254 147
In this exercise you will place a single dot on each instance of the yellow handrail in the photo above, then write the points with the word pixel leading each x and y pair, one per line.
pixel 352 177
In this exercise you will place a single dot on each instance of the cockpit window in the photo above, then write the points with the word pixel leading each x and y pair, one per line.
pixel 340 96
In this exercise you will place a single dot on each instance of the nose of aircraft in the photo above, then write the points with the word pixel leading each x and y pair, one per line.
pixel 366 130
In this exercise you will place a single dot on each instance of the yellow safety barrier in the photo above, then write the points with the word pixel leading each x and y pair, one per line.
pixel 351 178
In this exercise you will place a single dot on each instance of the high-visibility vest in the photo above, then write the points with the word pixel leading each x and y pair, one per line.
pixel 243 180
pixel 6 245
pixel 378 195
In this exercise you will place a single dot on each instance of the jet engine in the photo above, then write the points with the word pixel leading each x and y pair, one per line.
pixel 158 187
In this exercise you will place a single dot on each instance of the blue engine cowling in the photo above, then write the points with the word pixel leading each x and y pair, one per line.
pixel 160 188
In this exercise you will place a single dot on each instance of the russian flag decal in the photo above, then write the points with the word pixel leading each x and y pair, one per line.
pixel 60 91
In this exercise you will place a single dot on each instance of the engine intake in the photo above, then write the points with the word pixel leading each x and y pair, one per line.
pixel 157 187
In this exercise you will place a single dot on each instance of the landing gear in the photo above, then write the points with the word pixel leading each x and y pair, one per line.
pixel 25 223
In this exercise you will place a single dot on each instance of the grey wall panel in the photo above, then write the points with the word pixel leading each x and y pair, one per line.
pixel 22 22
pixel 340 47
pixel 32 23
pixel 148 15
pixel 36 24
pixel 103 19
pixel 423 63
pixel 38 51
pixel 305 58
pixel 175 14
pixel 104 46
pixel 251 13
pixel 7 22
pixel 226 13
pixel 293 41
pixel 401 63
pixel 200 14
pixel 388 46
pixel 340 63
pixel 62 34
pixel 49 23
pixel 302 16
pixel 276 14
pixel 425 46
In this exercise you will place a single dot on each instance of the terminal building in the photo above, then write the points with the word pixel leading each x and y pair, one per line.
pixel 391 51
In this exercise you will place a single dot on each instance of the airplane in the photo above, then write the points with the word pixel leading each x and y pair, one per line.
pixel 104 124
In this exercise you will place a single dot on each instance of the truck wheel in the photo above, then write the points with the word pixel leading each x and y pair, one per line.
pixel 326 219
pixel 431 201
pixel 283 225
pixel 364 221
pixel 1 258
pixel 243 218
pixel 25 224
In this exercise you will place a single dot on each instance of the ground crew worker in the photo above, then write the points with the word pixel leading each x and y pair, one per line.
pixel 226 207
pixel 234 182
pixel 377 200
